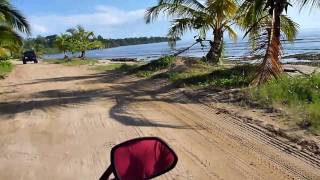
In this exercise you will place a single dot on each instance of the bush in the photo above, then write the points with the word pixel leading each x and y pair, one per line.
pixel 5 68
pixel 4 54
pixel 4 58
pixel 156 65
pixel 299 95
pixel 144 74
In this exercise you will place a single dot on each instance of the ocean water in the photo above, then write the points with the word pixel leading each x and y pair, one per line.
pixel 305 43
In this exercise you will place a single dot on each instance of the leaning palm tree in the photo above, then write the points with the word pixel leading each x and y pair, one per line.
pixel 265 23
pixel 215 16
pixel 11 20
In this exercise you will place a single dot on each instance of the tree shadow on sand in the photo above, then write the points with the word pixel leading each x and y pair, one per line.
pixel 130 92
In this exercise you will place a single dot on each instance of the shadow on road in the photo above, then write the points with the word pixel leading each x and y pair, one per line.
pixel 123 92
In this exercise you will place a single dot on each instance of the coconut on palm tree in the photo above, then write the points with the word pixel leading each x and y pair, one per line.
pixel 212 16
pixel 11 20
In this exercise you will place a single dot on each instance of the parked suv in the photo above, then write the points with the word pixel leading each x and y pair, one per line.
pixel 29 56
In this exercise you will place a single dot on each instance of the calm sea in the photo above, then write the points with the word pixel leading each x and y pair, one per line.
pixel 305 43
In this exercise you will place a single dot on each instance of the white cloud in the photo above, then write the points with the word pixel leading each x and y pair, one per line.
pixel 39 28
pixel 104 17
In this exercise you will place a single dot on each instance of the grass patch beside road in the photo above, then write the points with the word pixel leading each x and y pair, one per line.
pixel 152 67
pixel 219 77
pixel 298 96
pixel 5 68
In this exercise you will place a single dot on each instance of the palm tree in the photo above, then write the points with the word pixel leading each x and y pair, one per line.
pixel 63 42
pixel 265 23
pixel 11 20
pixel 213 15
pixel 83 40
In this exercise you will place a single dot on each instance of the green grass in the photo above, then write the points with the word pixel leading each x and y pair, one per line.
pixel 73 62
pixel 298 96
pixel 145 74
pixel 152 67
pixel 5 68
pixel 219 77
pixel 112 67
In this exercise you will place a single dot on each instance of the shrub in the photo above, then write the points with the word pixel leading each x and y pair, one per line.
pixel 157 65
pixel 5 68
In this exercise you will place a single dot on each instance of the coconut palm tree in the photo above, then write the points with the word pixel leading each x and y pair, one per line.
pixel 11 20
pixel 265 22
pixel 215 16
pixel 63 42
pixel 83 40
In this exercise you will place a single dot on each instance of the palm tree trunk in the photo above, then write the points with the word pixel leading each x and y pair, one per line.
pixel 215 52
pixel 271 65
pixel 65 54
pixel 83 54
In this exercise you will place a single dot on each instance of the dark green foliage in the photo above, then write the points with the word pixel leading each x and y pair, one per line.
pixel 238 76
pixel 109 43
pixel 50 47
pixel 48 43
pixel 127 67
pixel 149 69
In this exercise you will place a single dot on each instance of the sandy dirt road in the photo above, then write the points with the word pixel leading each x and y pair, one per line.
pixel 59 122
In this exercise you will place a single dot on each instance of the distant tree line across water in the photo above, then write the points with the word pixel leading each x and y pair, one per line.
pixel 48 45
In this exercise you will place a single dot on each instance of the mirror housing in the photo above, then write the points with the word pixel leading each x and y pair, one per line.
pixel 141 158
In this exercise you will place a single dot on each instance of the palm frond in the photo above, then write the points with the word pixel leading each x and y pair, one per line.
pixel 310 3
pixel 9 38
pixel 289 28
pixel 13 17
pixel 180 26
pixel 232 33
pixel 171 9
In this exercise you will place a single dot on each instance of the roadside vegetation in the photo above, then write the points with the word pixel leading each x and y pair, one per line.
pixel 197 73
pixel 298 96
pixel 223 77
pixel 147 70
pixel 5 68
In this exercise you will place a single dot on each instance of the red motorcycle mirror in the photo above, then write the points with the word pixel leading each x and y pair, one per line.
pixel 142 158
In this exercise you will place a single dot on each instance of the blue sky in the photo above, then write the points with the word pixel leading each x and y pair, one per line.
pixel 113 18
